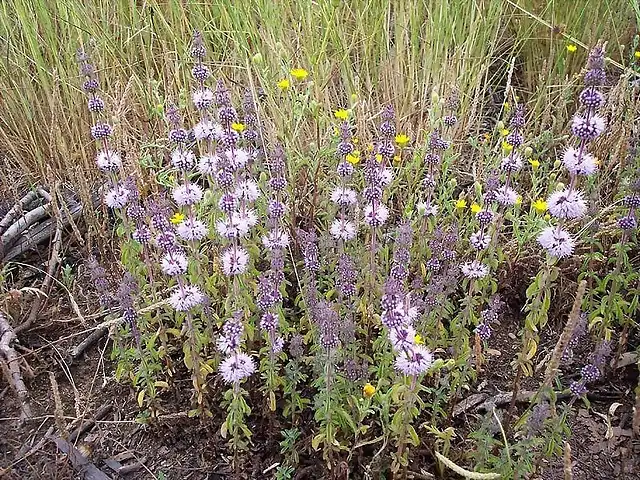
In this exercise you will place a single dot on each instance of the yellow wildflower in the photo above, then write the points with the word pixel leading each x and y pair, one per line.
pixel 418 339
pixel 397 159
pixel 177 218
pixel 637 54
pixel 547 217
pixel 368 390
pixel 535 164
pixel 402 140
pixel 341 114
pixel 518 200
pixel 378 157
pixel 540 205
pixel 475 208
pixel 571 48
pixel 504 132
pixel 506 147
pixel 507 106
pixel 299 73
pixel 284 84
pixel 353 158
pixel 461 204
pixel 354 140
pixel 238 127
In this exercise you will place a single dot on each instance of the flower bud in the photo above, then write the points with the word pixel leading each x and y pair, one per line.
pixel 257 59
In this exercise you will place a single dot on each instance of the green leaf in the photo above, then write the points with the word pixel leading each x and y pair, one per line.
pixel 413 435
pixel 272 401
pixel 140 397
pixel 315 443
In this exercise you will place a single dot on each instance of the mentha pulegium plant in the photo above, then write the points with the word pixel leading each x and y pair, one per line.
pixel 412 359
pixel 234 369
pixel 223 153
pixel 269 301
pixel 498 198
pixel 566 204
pixel 108 160
pixel 378 175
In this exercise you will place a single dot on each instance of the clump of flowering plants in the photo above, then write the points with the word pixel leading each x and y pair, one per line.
pixel 340 299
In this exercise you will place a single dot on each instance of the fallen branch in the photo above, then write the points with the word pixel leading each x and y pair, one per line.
pixel 87 342
pixel 7 337
pixel 41 233
pixel 87 425
pixel 481 402
pixel 82 427
pixel 84 467
pixel 102 328
pixel 15 211
pixel 30 218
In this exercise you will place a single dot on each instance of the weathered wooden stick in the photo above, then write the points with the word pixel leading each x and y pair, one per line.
pixel 84 467
pixel 7 337
pixel 40 233
pixel 87 342
pixel 15 211
pixel 10 236
pixel 86 425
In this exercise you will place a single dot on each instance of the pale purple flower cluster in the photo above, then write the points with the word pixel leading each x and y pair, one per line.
pixel 557 242
pixel 310 255
pixel 535 422
pixel 474 269
pixel 206 130
pixel 100 280
pixel 629 221
pixel 237 365
pixel 576 337
pixel 489 316
pixel 592 371
pixel 480 239
pixel 433 159
pixel 442 267
pixel 174 262
pixel 232 172
pixel 378 173
pixel 343 228
pixel 276 241
pixel 504 194
pixel 327 320
pixel 108 159
pixel 126 294
pixel 569 203
pixel 451 105
pixel 399 314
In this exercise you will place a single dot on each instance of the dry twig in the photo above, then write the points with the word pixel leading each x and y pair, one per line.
pixel 7 337
pixel 80 463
